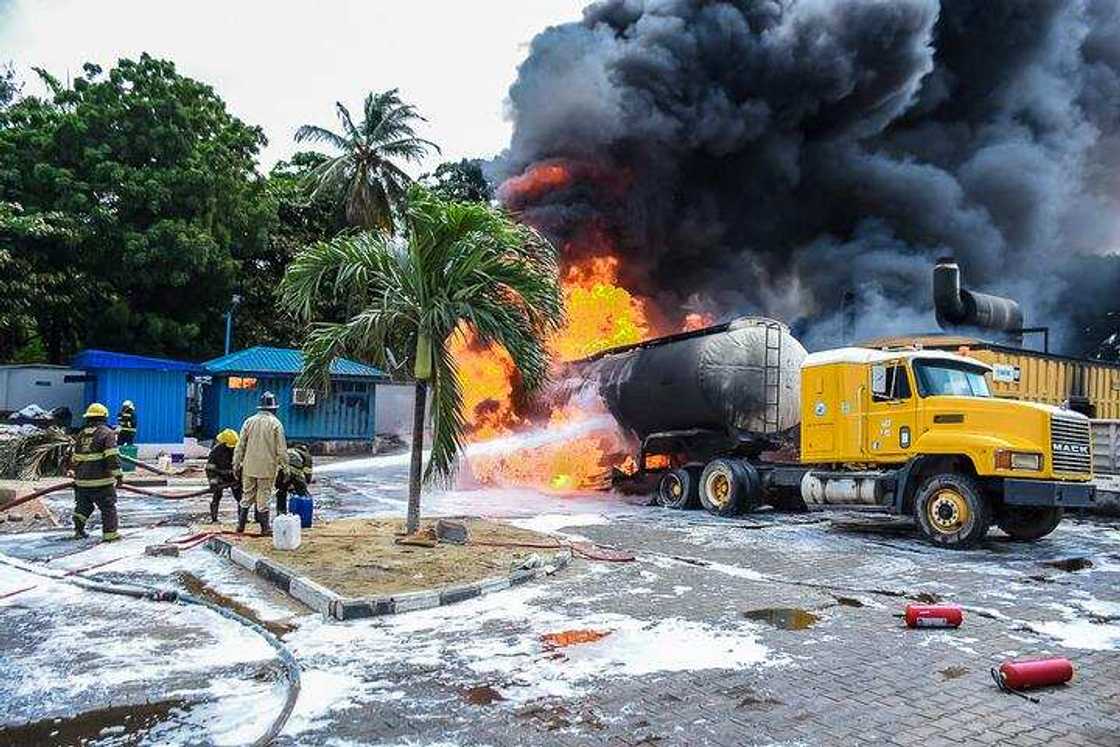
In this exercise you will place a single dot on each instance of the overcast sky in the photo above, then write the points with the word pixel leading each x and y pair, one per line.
pixel 281 64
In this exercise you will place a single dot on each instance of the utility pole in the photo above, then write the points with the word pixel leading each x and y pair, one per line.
pixel 234 303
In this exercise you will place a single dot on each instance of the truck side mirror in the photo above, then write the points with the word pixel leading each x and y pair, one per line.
pixel 879 381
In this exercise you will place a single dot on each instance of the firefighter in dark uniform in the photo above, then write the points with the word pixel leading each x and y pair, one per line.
pixel 219 471
pixel 295 479
pixel 97 473
pixel 306 454
pixel 126 423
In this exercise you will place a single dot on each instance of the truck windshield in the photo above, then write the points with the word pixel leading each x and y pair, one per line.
pixel 949 378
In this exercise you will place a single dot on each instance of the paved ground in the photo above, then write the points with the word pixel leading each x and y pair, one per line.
pixel 692 655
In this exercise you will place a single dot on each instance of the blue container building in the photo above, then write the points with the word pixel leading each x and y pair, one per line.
pixel 157 386
pixel 237 381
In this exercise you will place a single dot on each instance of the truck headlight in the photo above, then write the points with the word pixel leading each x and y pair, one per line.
pixel 1023 460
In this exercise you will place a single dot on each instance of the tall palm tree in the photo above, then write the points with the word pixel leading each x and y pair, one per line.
pixel 459 263
pixel 363 172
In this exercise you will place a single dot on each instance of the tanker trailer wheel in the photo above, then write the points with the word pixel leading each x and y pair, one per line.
pixel 1028 523
pixel 729 487
pixel 951 511
pixel 679 488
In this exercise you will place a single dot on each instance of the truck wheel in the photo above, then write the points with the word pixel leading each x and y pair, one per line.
pixel 728 487
pixel 1028 523
pixel 951 511
pixel 679 488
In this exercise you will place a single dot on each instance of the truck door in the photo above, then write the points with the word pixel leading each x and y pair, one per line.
pixel 891 413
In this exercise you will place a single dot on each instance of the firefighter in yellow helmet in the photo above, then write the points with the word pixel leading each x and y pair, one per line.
pixel 97 473
pixel 219 471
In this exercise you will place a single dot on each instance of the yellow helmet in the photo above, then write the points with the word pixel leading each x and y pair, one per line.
pixel 228 437
pixel 97 410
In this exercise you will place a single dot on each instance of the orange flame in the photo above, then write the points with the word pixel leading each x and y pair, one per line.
pixel 537 180
pixel 486 378
pixel 600 315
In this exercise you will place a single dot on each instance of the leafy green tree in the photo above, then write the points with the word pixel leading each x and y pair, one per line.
pixel 156 187
pixel 460 263
pixel 9 86
pixel 363 172
pixel 27 296
pixel 295 222
pixel 462 181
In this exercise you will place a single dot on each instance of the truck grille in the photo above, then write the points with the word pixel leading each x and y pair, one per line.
pixel 1070 445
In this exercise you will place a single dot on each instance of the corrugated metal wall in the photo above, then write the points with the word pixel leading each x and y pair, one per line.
pixel 160 398
pixel 347 413
pixel 1050 380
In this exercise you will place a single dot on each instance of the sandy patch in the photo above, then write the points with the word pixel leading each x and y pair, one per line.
pixel 359 557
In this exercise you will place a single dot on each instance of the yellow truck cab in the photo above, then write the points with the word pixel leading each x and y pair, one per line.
pixel 919 432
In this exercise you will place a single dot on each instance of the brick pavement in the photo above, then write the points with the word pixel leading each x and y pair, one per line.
pixel 855 677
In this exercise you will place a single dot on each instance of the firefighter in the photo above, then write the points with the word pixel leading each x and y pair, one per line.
pixel 296 479
pixel 126 423
pixel 261 454
pixel 306 454
pixel 219 471
pixel 97 473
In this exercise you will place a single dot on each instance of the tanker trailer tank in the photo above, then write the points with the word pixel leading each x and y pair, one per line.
pixel 741 379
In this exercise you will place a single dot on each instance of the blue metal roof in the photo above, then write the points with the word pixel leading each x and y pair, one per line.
pixel 285 361
pixel 102 359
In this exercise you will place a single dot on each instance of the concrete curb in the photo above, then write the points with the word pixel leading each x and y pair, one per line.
pixel 321 599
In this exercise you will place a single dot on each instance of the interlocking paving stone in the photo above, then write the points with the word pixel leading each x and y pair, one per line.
pixel 857 676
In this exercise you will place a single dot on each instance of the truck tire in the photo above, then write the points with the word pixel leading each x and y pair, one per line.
pixel 679 488
pixel 729 487
pixel 1028 523
pixel 952 511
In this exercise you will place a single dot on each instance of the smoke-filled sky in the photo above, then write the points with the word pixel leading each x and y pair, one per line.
pixel 774 155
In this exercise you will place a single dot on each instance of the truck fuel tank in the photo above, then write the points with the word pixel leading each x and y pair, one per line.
pixel 823 488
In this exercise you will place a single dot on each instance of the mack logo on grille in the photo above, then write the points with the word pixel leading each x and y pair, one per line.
pixel 1072 448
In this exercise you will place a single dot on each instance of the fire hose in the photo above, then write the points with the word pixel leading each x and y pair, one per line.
pixel 173 596
pixel 124 486
pixel 145 465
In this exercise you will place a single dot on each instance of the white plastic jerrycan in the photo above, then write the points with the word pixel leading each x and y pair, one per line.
pixel 286 532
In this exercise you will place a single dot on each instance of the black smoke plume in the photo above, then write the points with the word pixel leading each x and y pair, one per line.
pixel 810 159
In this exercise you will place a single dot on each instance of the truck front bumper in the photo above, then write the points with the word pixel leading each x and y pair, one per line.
pixel 1049 493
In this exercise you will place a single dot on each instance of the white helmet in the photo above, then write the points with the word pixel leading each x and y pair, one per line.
pixel 127 405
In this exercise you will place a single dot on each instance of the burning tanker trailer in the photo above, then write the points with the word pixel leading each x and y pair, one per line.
pixel 727 390
pixel 736 416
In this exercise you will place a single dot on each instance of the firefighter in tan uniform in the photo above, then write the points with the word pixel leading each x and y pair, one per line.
pixel 97 473
pixel 261 454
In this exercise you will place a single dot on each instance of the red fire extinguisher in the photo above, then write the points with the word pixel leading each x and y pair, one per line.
pixel 934 615
pixel 1013 676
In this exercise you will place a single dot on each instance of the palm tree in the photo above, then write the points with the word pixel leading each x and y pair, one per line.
pixel 363 172
pixel 459 263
